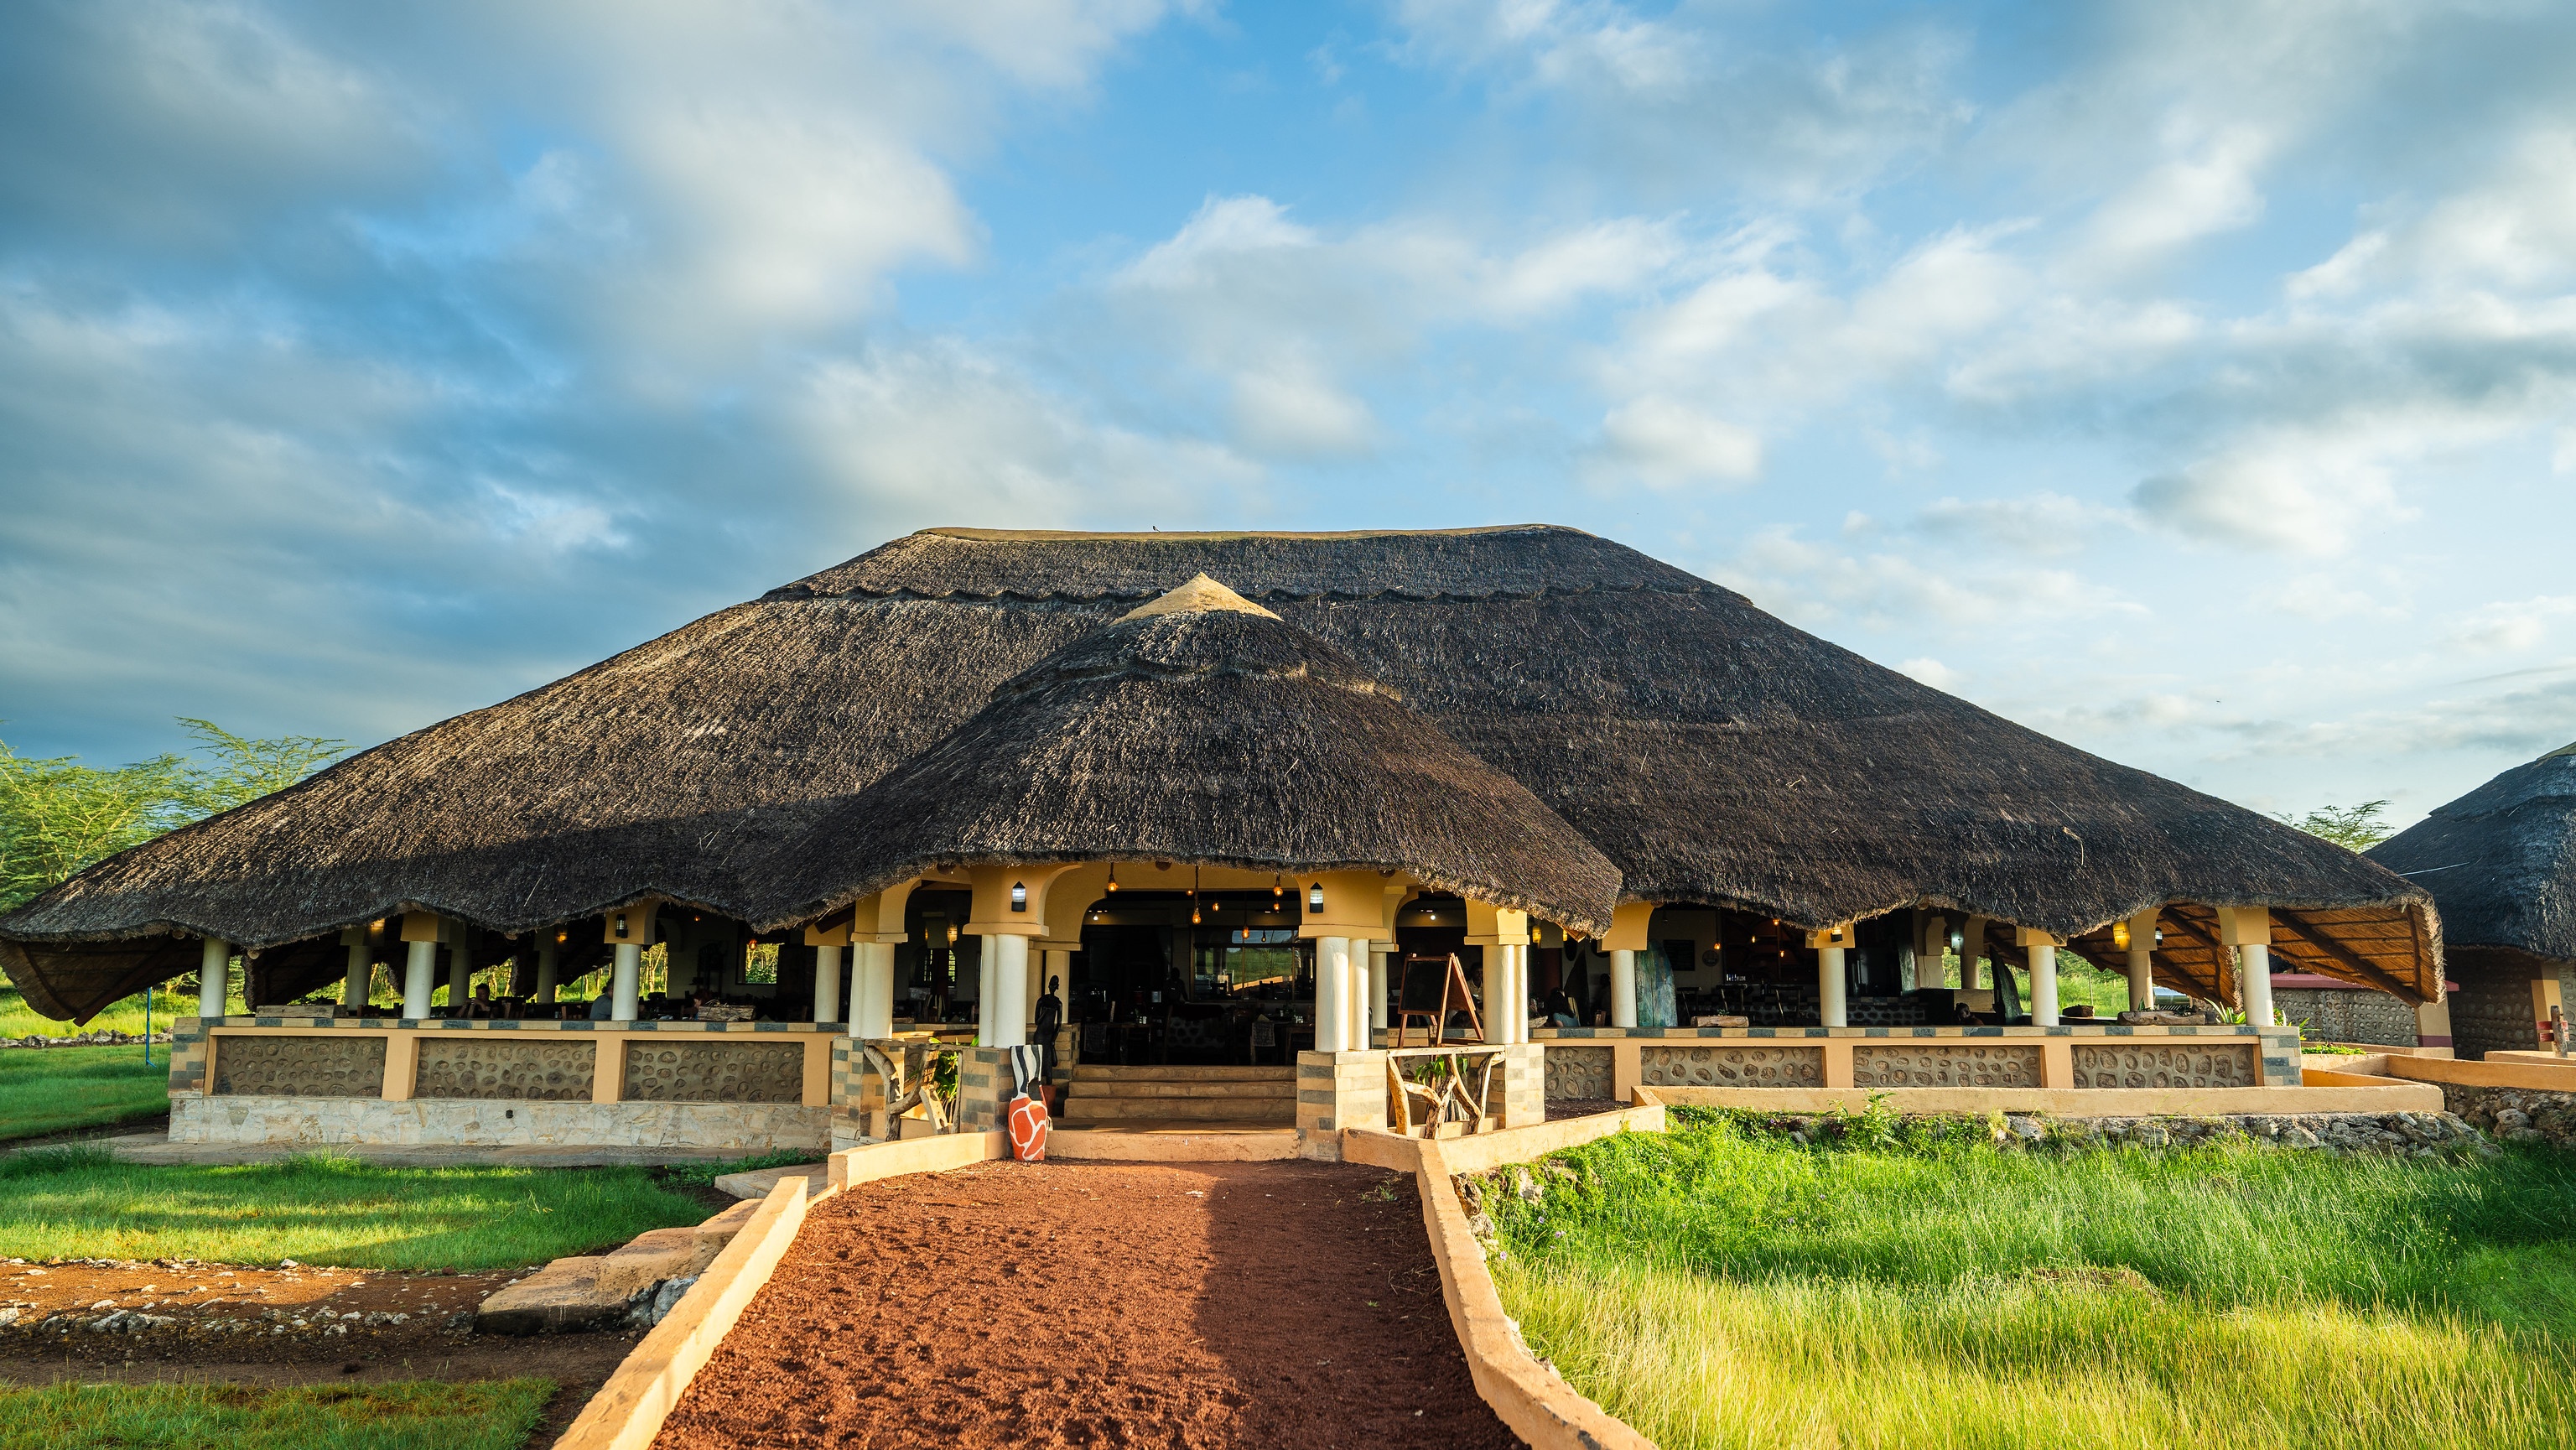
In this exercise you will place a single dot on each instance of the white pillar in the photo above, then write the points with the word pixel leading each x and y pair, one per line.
pixel 872 990
pixel 420 973
pixel 630 966
pixel 2043 984
pixel 1006 1014
pixel 1623 989
pixel 1930 946
pixel 2258 982
pixel 362 969
pixel 1972 952
pixel 1355 1016
pixel 1382 982
pixel 546 967
pixel 827 984
pixel 1332 993
pixel 214 970
pixel 1516 992
pixel 1829 987
pixel 2142 962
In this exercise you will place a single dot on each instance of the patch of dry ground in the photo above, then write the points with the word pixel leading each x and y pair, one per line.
pixel 1276 1304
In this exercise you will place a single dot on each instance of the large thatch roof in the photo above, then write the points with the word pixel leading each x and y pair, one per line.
pixel 1206 729
pixel 1710 751
pixel 2501 860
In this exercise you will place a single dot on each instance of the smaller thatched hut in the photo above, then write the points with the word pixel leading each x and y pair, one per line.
pixel 2501 864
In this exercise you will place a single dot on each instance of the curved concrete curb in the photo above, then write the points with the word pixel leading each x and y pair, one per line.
pixel 1530 1397
pixel 629 1410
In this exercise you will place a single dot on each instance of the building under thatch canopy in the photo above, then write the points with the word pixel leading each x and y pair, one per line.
pixel 2501 861
pixel 782 756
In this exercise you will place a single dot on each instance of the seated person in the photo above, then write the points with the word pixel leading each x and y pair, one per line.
pixel 600 1007
pixel 1560 1009
pixel 480 1005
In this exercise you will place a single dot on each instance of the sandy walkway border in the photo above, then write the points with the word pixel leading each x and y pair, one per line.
pixel 629 1410
pixel 1530 1397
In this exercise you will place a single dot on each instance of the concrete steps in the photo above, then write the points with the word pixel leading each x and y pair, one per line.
pixel 1225 1098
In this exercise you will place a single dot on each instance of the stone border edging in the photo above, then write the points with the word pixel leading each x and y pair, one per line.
pixel 1530 1397
pixel 2322 1093
pixel 628 1411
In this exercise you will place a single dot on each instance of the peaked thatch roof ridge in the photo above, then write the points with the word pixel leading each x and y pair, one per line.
pixel 1209 731
pixel 1517 559
pixel 2501 860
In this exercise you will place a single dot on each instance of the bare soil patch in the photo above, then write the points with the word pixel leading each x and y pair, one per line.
pixel 273 1327
pixel 1276 1304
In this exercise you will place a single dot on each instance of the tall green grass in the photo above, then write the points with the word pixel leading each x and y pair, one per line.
pixel 56 1089
pixel 79 1203
pixel 480 1415
pixel 1715 1287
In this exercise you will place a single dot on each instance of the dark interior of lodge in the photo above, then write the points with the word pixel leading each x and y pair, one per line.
pixel 1219 977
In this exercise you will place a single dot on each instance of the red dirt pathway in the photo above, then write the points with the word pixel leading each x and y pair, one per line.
pixel 1283 1304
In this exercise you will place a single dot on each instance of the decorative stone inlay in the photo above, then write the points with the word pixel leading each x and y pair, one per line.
pixel 1731 1066
pixel 1960 1064
pixel 2175 1065
pixel 333 1066
pixel 715 1072
pixel 489 1065
pixel 1578 1072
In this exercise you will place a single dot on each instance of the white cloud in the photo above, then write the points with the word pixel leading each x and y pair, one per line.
pixel 2516 625
pixel 943 434
pixel 2328 597
pixel 1820 589
pixel 2043 525
pixel 1223 227
pixel 1669 444
pixel 1928 671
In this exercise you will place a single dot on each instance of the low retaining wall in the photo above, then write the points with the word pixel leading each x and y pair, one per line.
pixel 1528 1395
pixel 2361 1095
pixel 2521 1097
pixel 629 1410
pixel 746 1128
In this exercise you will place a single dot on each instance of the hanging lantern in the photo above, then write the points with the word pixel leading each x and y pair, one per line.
pixel 1275 889
pixel 2120 935
pixel 952 935
pixel 620 927
pixel 1113 878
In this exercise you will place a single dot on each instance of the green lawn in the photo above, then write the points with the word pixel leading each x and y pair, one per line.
pixel 55 1089
pixel 17 1019
pixel 482 1415
pixel 1715 1286
pixel 77 1203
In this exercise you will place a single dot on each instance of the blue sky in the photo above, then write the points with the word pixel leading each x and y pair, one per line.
pixel 2195 382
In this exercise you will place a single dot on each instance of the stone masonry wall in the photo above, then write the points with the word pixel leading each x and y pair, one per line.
pixel 320 1067
pixel 2491 1012
pixel 487 1065
pixel 2333 1015
pixel 1731 1064
pixel 733 1128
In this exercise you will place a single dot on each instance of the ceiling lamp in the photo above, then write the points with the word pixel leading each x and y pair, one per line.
pixel 1113 879
pixel 952 935
pixel 1275 888
pixel 2120 935
pixel 1019 896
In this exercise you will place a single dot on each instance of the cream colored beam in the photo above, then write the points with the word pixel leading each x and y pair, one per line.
pixel 2042 949
pixel 361 968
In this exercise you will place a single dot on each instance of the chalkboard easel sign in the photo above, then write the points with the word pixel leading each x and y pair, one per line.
pixel 1432 987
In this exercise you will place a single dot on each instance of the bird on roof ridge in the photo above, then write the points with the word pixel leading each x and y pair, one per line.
pixel 1200 594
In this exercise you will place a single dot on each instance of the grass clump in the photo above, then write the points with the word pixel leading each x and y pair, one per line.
pixel 57 1089
pixel 481 1415
pixel 704 1175
pixel 1909 1284
pixel 323 1209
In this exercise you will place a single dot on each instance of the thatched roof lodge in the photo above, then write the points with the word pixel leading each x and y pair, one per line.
pixel 1528 716
pixel 2501 861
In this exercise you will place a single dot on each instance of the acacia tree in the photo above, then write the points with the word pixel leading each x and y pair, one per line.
pixel 2355 828
pixel 58 816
